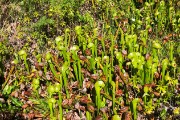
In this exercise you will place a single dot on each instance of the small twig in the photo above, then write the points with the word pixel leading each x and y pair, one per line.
pixel 8 77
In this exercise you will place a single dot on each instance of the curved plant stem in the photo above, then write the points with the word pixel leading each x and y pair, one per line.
pixel 60 107
pixel 134 108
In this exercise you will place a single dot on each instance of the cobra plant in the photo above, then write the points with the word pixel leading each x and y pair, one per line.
pixel 156 48
pixel 165 63
pixel 78 30
pixel 77 63
pixel 48 59
pixel 65 71
pixel 137 61
pixel 134 107
pixel 57 89
pixel 23 55
pixel 98 86
pixel 62 47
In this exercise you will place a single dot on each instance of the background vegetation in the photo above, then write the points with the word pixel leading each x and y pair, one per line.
pixel 89 59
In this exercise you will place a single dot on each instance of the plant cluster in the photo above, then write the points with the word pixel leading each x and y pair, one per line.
pixel 90 59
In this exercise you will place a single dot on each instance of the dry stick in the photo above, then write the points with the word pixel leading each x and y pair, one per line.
pixel 117 82
pixel 117 32
pixel 8 77
pixel 110 98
